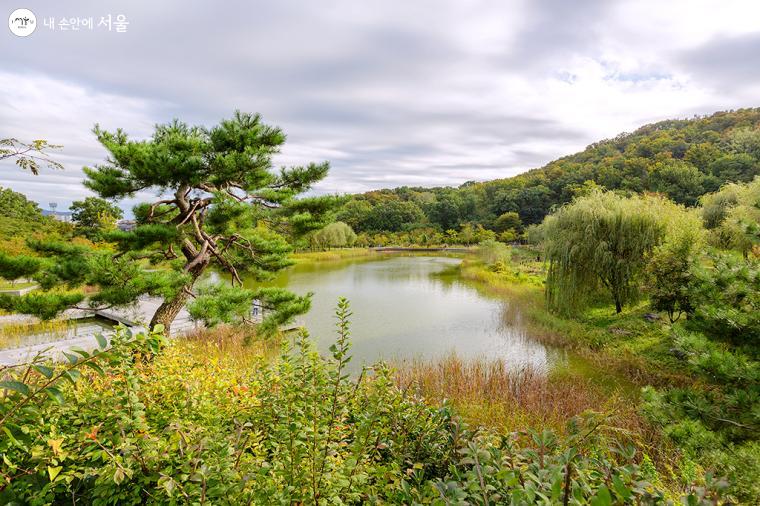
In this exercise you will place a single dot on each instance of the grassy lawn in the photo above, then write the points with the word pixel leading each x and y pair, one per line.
pixel 7 285
pixel 332 255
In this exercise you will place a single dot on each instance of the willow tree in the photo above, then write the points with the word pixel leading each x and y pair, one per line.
pixel 334 235
pixel 220 206
pixel 600 242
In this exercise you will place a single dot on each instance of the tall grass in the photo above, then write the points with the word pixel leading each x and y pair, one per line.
pixel 332 255
pixel 229 345
pixel 13 335
pixel 489 393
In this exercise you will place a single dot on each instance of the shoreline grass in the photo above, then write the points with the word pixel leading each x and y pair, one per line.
pixel 332 255
pixel 625 344
pixel 489 393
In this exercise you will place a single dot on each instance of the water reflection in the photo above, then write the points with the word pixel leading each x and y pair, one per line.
pixel 27 334
pixel 412 308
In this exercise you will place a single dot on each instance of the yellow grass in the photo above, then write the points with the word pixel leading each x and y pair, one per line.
pixel 13 334
pixel 490 394
pixel 225 344
pixel 332 255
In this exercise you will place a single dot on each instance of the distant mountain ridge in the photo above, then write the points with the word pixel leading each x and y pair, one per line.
pixel 682 158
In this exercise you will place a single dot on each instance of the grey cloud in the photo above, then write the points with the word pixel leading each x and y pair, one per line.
pixel 727 62
pixel 390 92
pixel 556 29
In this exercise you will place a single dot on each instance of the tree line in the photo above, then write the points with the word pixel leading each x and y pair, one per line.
pixel 680 159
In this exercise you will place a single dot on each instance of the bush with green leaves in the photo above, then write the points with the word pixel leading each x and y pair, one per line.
pixel 148 421
pixel 727 299
pixel 670 276
pixel 493 252
pixel 334 235
pixel 717 416
pixel 733 216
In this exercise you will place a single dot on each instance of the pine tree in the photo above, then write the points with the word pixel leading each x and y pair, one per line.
pixel 220 206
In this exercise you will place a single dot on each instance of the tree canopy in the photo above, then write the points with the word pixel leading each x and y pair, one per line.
pixel 733 216
pixel 16 205
pixel 600 241
pixel 334 235
pixel 93 215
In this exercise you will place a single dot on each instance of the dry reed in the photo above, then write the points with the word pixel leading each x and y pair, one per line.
pixel 489 393
pixel 231 344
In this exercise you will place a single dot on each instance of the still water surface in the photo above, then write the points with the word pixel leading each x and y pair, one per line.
pixel 412 307
pixel 18 335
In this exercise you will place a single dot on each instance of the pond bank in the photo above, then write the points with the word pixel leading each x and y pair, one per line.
pixel 626 345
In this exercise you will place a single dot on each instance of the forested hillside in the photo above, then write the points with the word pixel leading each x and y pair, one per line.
pixel 682 159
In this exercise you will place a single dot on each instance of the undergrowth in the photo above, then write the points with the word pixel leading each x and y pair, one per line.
pixel 146 421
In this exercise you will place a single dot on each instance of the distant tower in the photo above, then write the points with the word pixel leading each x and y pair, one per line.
pixel 53 205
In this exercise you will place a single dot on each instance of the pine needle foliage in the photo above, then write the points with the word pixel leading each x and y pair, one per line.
pixel 220 205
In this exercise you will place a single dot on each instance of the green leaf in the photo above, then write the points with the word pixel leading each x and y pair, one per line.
pixel 45 371
pixel 620 488
pixel 53 472
pixel 80 351
pixel 15 385
pixel 102 341
pixel 55 394
pixel 73 359
pixel 95 367
pixel 12 439
pixel 602 497
pixel 72 375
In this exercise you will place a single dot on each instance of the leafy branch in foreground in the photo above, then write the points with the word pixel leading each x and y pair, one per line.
pixel 29 156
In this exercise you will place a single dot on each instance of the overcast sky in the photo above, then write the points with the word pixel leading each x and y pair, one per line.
pixel 391 92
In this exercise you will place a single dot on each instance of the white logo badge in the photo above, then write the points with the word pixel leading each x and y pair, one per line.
pixel 22 22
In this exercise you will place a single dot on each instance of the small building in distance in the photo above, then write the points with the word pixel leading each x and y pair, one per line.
pixel 126 225
pixel 64 216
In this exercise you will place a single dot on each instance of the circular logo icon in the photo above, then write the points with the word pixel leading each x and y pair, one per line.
pixel 22 22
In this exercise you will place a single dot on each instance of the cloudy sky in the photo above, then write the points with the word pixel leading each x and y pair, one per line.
pixel 391 92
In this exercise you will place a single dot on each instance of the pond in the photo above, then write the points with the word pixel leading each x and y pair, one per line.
pixel 15 335
pixel 412 308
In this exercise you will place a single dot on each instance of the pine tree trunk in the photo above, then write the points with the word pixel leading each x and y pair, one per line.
pixel 168 311
pixel 197 261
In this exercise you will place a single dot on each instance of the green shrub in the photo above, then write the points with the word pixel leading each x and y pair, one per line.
pixel 180 423
pixel 493 252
